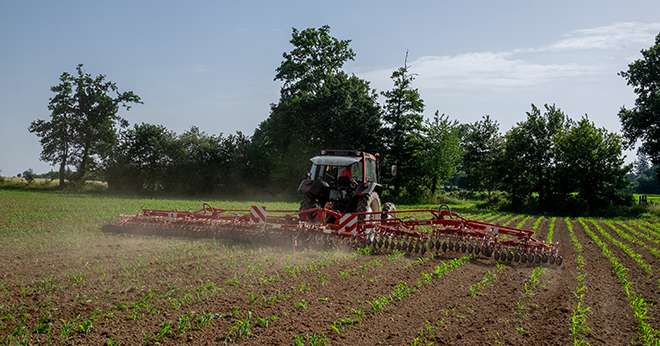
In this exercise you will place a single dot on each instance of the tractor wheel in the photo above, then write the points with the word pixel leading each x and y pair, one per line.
pixel 308 203
pixel 369 203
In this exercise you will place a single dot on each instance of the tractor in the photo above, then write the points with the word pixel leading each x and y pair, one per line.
pixel 346 181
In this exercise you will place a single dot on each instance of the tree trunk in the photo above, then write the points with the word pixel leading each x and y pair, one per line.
pixel 62 171
pixel 65 157
pixel 83 163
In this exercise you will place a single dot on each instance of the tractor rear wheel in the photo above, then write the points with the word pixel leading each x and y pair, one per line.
pixel 368 203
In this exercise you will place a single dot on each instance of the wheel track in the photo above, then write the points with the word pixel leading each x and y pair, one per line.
pixel 549 311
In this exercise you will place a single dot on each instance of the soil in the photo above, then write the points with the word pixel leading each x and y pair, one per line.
pixel 134 287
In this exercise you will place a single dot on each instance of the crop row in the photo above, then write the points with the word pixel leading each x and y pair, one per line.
pixel 649 335
pixel 534 280
pixel 651 228
pixel 580 314
pixel 640 234
pixel 401 291
pixel 632 239
pixel 625 248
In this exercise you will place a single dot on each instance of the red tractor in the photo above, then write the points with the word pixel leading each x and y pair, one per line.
pixel 343 180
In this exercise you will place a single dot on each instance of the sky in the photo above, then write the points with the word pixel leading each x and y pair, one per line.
pixel 211 63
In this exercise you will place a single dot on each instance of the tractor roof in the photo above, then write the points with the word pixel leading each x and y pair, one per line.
pixel 332 160
pixel 348 153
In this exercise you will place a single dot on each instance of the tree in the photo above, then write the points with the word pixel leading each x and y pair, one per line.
pixel 442 151
pixel 144 159
pixel 529 156
pixel 483 147
pixel 84 121
pixel 57 135
pixel 29 176
pixel 320 106
pixel 645 176
pixel 591 162
pixel 95 106
pixel 403 125
pixel 642 122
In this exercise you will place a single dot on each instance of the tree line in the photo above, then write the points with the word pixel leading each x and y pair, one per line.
pixel 547 161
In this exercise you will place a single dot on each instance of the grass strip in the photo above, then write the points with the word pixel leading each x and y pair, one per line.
pixel 580 315
pixel 632 239
pixel 649 335
pixel 625 248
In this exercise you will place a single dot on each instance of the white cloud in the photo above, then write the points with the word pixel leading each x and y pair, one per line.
pixel 520 68
pixel 483 70
pixel 613 36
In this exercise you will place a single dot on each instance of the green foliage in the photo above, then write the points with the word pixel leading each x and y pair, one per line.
pixel 553 163
pixel 84 122
pixel 625 248
pixel 440 155
pixel 320 106
pixel 311 340
pixel 29 176
pixel 580 314
pixel 649 335
pixel 590 162
pixel 529 154
pixel 486 280
pixel 403 118
pixel 241 328
pixel 483 147
pixel 152 158
pixel 642 121
pixel 645 177
pixel 301 304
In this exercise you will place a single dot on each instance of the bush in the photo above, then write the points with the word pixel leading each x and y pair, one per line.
pixel 29 176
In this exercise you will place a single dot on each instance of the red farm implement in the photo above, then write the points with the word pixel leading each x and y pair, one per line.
pixel 415 231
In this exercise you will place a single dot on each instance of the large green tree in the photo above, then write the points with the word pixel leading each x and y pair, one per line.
pixel 529 156
pixel 590 162
pixel 442 152
pixel 320 106
pixel 642 122
pixel 483 147
pixel 84 121
pixel 403 118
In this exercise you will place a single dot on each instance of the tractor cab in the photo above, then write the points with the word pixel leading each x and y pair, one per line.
pixel 347 179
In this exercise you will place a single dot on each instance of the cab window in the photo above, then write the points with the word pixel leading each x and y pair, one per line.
pixel 356 171
pixel 371 171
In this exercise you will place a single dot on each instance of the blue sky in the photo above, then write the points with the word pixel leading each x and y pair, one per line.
pixel 211 64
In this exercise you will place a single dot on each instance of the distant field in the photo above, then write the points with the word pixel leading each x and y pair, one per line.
pixel 64 281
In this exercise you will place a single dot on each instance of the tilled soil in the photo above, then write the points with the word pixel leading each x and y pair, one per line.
pixel 610 316
pixel 279 301
pixel 646 285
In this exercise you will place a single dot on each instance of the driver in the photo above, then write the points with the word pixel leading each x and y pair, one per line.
pixel 345 176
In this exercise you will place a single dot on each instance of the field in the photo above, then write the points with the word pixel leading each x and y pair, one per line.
pixel 64 281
